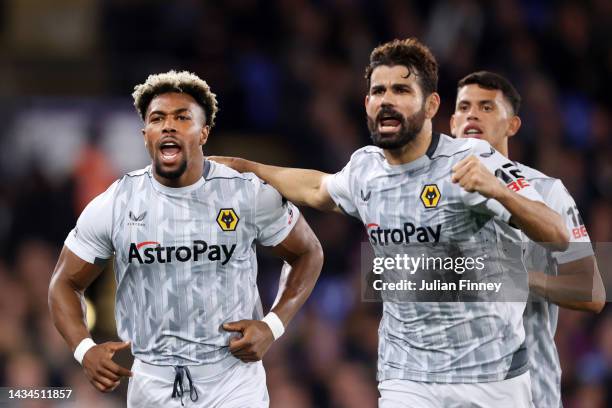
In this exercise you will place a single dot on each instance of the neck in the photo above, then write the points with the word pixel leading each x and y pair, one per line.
pixel 502 147
pixel 191 175
pixel 413 150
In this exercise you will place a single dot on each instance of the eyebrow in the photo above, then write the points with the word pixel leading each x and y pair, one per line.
pixel 393 85
pixel 480 102
pixel 159 112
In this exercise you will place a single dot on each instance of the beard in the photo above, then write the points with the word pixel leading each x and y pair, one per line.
pixel 410 127
pixel 170 174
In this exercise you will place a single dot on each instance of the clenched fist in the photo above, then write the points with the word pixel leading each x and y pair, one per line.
pixel 473 176
pixel 256 339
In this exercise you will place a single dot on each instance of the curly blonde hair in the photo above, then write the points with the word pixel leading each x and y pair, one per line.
pixel 181 82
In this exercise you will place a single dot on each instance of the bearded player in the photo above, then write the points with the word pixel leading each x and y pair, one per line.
pixel 182 232
pixel 430 354
pixel 487 107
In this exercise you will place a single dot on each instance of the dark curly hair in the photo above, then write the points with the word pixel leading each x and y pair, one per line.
pixel 410 53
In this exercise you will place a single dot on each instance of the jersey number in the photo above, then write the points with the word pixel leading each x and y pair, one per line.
pixel 579 229
pixel 515 181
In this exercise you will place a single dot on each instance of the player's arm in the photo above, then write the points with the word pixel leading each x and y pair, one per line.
pixel 302 251
pixel 534 218
pixel 577 286
pixel 303 187
pixel 87 248
pixel 71 277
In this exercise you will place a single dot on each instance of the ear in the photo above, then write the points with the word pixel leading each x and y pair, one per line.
pixel 366 101
pixel 432 103
pixel 452 125
pixel 143 136
pixel 515 125
pixel 204 135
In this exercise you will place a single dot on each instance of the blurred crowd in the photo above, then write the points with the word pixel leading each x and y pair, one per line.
pixel 289 78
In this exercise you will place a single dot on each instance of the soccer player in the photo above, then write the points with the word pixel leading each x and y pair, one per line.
pixel 431 354
pixel 182 232
pixel 487 108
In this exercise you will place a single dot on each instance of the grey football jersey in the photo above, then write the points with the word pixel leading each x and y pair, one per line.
pixel 448 342
pixel 540 317
pixel 184 258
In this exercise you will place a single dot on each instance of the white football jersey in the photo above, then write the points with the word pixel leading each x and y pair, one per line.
pixel 184 258
pixel 416 203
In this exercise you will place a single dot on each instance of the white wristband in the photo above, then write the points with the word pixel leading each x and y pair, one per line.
pixel 82 348
pixel 275 324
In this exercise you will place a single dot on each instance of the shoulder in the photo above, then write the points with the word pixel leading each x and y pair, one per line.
pixel 476 146
pixel 128 183
pixel 545 185
pixel 364 160
pixel 134 176
pixel 552 190
pixel 367 154
pixel 450 147
pixel 99 210
pixel 144 172
pixel 220 173
pixel 532 174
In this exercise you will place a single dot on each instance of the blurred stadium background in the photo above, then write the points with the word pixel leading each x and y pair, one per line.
pixel 289 78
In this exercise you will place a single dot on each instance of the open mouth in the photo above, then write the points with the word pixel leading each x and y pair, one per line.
pixel 169 151
pixel 389 123
pixel 472 131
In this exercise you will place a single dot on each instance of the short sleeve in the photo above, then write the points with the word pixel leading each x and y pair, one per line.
pixel 275 217
pixel 508 173
pixel 90 239
pixel 339 188
pixel 560 200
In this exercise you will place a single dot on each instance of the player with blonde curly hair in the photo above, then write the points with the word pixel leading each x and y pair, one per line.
pixel 182 234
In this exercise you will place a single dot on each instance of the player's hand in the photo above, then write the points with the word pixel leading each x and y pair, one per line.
pixel 255 341
pixel 100 368
pixel 235 163
pixel 473 176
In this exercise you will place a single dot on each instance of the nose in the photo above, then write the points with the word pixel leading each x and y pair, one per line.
pixel 472 113
pixel 387 99
pixel 169 126
pixel 386 105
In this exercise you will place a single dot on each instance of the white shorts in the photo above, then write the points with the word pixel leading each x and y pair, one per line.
pixel 241 385
pixel 512 393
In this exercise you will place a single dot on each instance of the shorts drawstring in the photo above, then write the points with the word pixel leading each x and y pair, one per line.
pixel 177 390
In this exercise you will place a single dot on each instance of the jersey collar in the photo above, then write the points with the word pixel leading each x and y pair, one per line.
pixel 175 190
pixel 421 161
